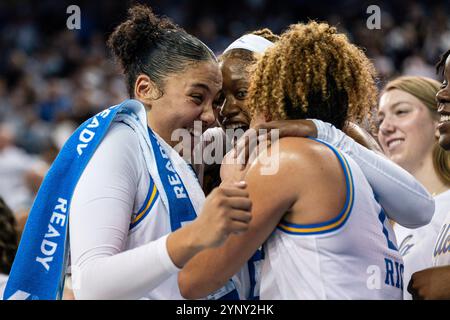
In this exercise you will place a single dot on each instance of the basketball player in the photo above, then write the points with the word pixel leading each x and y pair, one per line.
pixel 434 283
pixel 237 63
pixel 322 228
pixel 120 228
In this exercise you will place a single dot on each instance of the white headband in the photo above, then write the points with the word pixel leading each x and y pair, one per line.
pixel 250 42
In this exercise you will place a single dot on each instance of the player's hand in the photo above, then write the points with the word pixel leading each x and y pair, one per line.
pixel 430 284
pixel 362 137
pixel 226 211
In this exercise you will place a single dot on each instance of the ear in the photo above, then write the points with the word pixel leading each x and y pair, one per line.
pixel 437 134
pixel 146 90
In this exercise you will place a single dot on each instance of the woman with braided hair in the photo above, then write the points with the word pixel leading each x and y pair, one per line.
pixel 323 232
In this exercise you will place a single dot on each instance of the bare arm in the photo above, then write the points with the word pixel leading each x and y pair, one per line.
pixel 100 218
pixel 403 198
pixel 210 269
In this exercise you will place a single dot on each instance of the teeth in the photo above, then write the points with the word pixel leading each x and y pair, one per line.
pixel 395 143
pixel 445 118
pixel 190 130
pixel 235 126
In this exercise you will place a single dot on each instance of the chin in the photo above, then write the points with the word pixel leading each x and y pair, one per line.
pixel 444 135
pixel 444 141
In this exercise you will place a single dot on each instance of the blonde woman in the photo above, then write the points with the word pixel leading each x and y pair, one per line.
pixel 408 134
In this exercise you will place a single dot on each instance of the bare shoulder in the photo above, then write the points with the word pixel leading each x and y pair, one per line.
pixel 293 153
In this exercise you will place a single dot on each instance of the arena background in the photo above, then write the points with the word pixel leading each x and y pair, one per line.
pixel 53 78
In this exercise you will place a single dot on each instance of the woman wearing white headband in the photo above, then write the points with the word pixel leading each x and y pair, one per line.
pixel 125 241
pixel 386 178
pixel 232 117
pixel 236 64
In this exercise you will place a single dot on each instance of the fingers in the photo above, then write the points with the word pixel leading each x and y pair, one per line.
pixel 239 203
pixel 411 289
pixel 237 227
pixel 234 190
pixel 251 142
pixel 414 287
pixel 240 216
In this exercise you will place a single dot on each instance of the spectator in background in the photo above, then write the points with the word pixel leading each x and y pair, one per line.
pixel 8 242
pixel 20 173
pixel 408 120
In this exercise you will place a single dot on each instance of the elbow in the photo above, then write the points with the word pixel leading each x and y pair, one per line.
pixel 428 212
pixel 195 289
pixel 81 287
pixel 421 215
pixel 86 287
pixel 187 289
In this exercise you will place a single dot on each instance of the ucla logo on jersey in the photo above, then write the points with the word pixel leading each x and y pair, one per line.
pixel 405 246
pixel 443 241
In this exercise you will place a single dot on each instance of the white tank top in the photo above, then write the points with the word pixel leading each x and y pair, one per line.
pixel 417 245
pixel 353 256
pixel 441 250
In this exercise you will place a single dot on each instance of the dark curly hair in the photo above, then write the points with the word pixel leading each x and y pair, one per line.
pixel 8 238
pixel 155 46
pixel 313 72
pixel 441 64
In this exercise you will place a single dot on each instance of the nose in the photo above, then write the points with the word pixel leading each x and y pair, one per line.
pixel 229 108
pixel 207 116
pixel 386 127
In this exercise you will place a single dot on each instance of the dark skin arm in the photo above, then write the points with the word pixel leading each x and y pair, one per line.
pixel 211 269
pixel 271 200
pixel 306 128
pixel 430 284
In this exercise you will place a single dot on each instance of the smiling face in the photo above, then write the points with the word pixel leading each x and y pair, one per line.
pixel 407 131
pixel 187 96
pixel 443 99
pixel 236 77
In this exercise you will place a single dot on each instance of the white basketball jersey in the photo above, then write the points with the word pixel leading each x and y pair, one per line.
pixel 353 256
pixel 151 222
pixel 441 251
pixel 417 245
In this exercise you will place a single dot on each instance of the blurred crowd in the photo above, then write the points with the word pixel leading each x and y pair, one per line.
pixel 53 78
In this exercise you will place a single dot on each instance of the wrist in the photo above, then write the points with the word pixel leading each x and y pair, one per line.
pixel 192 238
pixel 183 244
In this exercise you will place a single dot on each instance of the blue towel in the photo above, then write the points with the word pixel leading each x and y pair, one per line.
pixel 39 267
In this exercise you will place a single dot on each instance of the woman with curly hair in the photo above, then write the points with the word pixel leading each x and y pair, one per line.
pixel 232 117
pixel 324 234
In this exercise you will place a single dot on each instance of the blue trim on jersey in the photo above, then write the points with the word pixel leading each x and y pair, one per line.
pixel 382 218
pixel 340 219
pixel 258 256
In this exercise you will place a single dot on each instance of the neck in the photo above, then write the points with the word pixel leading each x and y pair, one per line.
pixel 426 174
pixel 157 127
